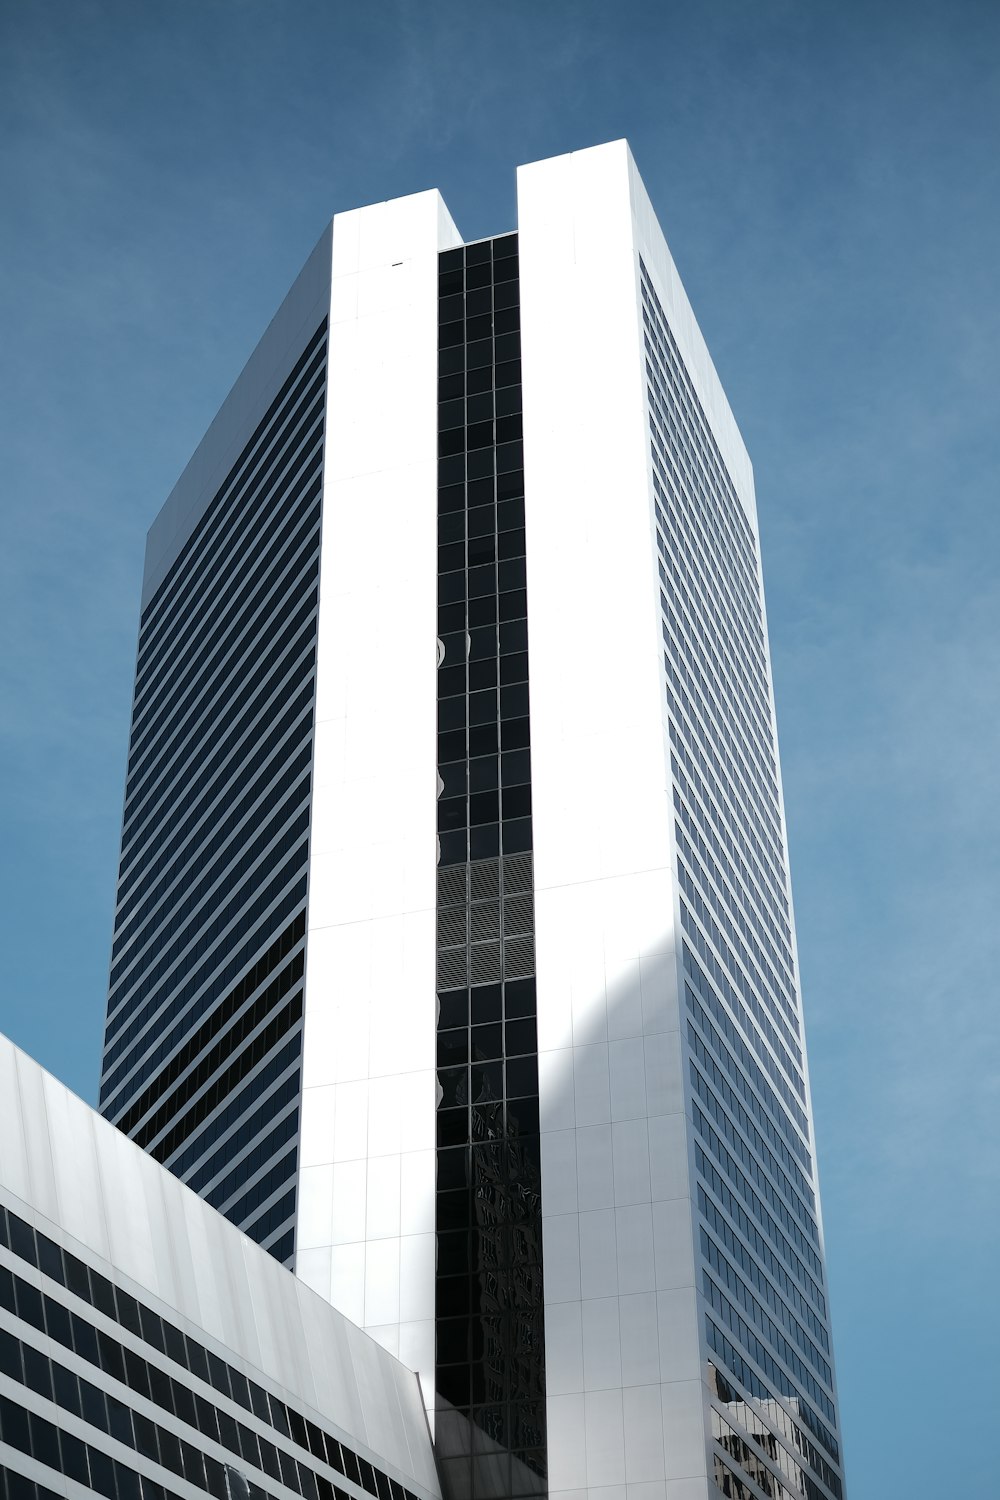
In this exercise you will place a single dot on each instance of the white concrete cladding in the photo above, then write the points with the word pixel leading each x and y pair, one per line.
pixel 366 1204
pixel 626 1400
pixel 80 1181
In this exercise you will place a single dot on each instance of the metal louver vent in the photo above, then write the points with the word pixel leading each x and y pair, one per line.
pixel 452 969
pixel 484 879
pixel 485 921
pixel 517 874
pixel 519 958
pixel 452 927
pixel 451 887
pixel 485 963
pixel 518 915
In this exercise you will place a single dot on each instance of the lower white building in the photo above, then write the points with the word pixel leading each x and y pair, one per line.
pixel 149 1351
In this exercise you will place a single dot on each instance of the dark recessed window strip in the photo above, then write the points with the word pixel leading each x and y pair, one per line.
pixel 490 1361
pixel 20 1360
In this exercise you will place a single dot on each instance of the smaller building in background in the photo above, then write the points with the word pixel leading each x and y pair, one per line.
pixel 136 1327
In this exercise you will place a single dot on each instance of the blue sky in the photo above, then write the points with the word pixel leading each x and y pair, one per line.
pixel 828 175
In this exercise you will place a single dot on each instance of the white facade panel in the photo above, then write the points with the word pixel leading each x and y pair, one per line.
pixel 607 982
pixel 367 1182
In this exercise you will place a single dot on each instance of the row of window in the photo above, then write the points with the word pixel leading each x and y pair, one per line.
pixel 746 1411
pixel 699 429
pixel 752 1224
pixel 694 545
pixel 180 738
pixel 764 1472
pixel 735 1049
pixel 761 1354
pixel 262 541
pixel 266 1147
pixel 759 1000
pixel 137 1038
pixel 714 842
pixel 779 1226
pixel 212 956
pixel 688 549
pixel 778 1418
pixel 678 443
pixel 741 913
pixel 175 920
pixel 225 1120
pixel 252 735
pixel 257 700
pixel 687 680
pixel 703 767
pixel 249 1131
pixel 757 1258
pixel 742 1069
pixel 737 1284
pixel 279 1023
pixel 466 709
pixel 181 834
pixel 260 788
pixel 743 1012
pixel 200 617
pixel 749 735
pixel 490 1121
pixel 776 1283
pixel 466 410
pixel 259 592
pixel 37 1438
pixel 485 963
pixel 192 957
pixel 485 921
pixel 757 956
pixel 709 704
pixel 271 1220
pixel 743 1372
pixel 487 1003
pixel 263 739
pixel 766 1141
pixel 723 770
pixel 722 833
pixel 263 1043
pixel 179 728
pixel 722 870
pixel 233 1012
pixel 199 545
pixel 690 565
pixel 749 1146
pixel 122 999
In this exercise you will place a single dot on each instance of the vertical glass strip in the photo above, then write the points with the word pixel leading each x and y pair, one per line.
pixel 490 1377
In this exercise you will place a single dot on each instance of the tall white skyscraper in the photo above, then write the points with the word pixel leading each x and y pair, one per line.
pixel 454 956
